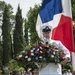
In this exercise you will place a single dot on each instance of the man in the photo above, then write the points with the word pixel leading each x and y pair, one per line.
pixel 52 68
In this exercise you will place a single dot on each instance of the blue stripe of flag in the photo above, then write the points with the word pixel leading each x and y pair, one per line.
pixel 49 8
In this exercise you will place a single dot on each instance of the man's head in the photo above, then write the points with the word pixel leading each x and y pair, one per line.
pixel 46 31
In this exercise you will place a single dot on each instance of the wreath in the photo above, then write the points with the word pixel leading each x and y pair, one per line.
pixel 43 53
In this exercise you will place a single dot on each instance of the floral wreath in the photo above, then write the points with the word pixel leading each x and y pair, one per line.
pixel 43 53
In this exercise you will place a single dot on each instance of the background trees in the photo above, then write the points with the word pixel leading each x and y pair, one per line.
pixel 18 33
pixel 30 24
pixel 73 15
pixel 73 11
pixel 6 35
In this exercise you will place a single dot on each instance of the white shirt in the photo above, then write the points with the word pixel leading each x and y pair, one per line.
pixel 69 73
pixel 51 69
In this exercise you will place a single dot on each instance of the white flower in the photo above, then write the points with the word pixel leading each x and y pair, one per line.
pixel 56 50
pixel 52 56
pixel 29 59
pixel 47 46
pixel 32 54
pixel 20 55
pixel 38 49
pixel 31 50
pixel 54 53
pixel 26 56
pixel 40 56
pixel 41 52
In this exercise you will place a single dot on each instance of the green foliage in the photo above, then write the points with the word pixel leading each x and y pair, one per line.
pixel 74 31
pixel 26 33
pixel 6 35
pixel 73 9
pixel 12 66
pixel 27 65
pixel 18 33
pixel 2 4
pixel 0 55
pixel 31 65
pixel 6 19
pixel 66 67
pixel 30 24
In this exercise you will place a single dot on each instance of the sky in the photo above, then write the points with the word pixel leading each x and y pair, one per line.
pixel 24 5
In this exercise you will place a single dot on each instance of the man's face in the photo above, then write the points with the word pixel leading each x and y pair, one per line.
pixel 46 35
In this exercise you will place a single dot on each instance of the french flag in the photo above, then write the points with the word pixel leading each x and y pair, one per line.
pixel 57 14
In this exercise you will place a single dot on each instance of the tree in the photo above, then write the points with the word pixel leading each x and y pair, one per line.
pixel 18 38
pixel 74 33
pixel 26 33
pixel 2 4
pixel 73 11
pixel 31 23
pixel 6 28
pixel 73 15
pixel 0 55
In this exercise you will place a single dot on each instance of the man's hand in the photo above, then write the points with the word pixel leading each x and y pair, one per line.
pixel 65 61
